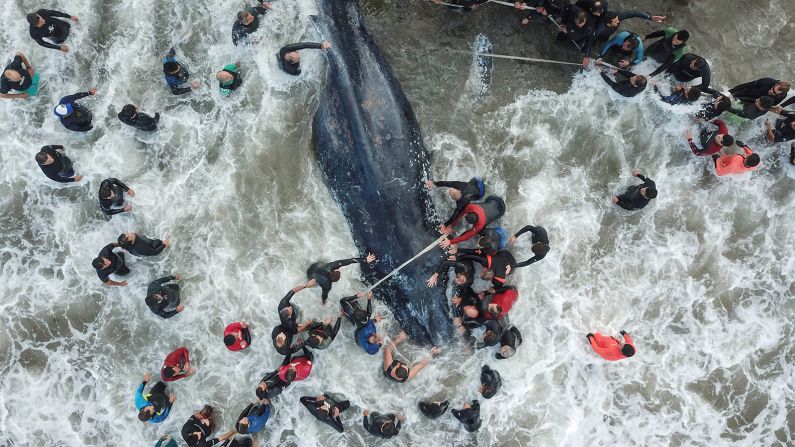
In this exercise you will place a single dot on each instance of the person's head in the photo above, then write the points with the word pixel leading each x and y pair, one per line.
pixel 229 339
pixel 100 263
pixel 281 339
pixel 488 390
pixel 612 20
pixel 490 338
pixel 262 390
pixel 292 57
pixel 540 249
pixel 322 412
pixel 245 17
pixel 680 37
pixel 401 372
pixel 638 81
pixel 35 20
pixel 486 274
pixel 461 278
pixel 63 110
pixel 506 351
pixel 780 88
pixel 170 372
pixel 388 428
pixel 471 218
pixel 630 44
pixel 471 311
pixel 649 192
pixel 172 67
pixel 597 9
pixel 360 317
pixel 125 239
pixel 764 103
pixel 581 19
pixel 374 339
pixel 286 313
pixel 751 161
pixel 146 413
pixel 106 193
pixel 242 426
pixel 722 103
pixel 628 350
pixel 698 63
pixel 692 93
pixel 484 241
pixel 724 140
pixel 224 76
pixel 454 194
pixel 289 375
pixel 12 75
pixel 153 299
pixel 43 158
pixel 129 111
pixel 314 340
pixel 495 310
pixel 334 275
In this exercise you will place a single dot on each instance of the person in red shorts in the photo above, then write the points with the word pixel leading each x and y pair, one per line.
pixel 176 365
pixel 237 336
pixel 610 348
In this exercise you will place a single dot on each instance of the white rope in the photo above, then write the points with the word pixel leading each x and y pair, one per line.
pixel 425 250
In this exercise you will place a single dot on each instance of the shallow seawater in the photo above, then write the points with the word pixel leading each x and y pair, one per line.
pixel 701 278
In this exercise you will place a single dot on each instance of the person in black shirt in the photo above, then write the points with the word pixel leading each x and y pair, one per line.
pixel 45 25
pixel 248 21
pixel 130 116
pixel 109 262
pixel 177 74
pixel 289 313
pixel 626 84
pixel 753 108
pixel 511 339
pixel 637 196
pixel 605 28
pixel 463 193
pixel 578 26
pixel 784 130
pixel 433 409
pixel 715 108
pixel 111 196
pixel 668 49
pixel 271 385
pixel 384 426
pixel 72 115
pixel 469 416
pixel 290 60
pixel 162 298
pixel 326 274
pixel 327 408
pixel 55 165
pixel 140 245
pixel 688 68
pixel 777 90
pixel 19 76
pixel 490 382
pixel 320 335
pixel 540 245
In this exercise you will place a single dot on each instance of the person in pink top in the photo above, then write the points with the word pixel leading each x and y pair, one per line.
pixel 611 348
pixel 736 163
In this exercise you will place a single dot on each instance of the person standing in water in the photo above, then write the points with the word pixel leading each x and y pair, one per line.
pixel 237 336
pixel 325 274
pixel 398 371
pixel 56 165
pixel 469 415
pixel 45 25
pixel 669 49
pixel 433 409
pixel 320 335
pixel 254 417
pixel 109 263
pixel 490 382
pixel 463 193
pixel 177 75
pixel 163 298
pixel 200 426
pixel 688 68
pixel 290 60
pixel 784 130
pixel 19 76
pixel 626 84
pixel 282 335
pixel 74 116
pixel 776 89
pixel 140 245
pixel 611 348
pixel 111 196
pixel 229 78
pixel 384 426
pixel 638 196
pixel 736 163
pixel 295 369
pixel 155 406
pixel 713 139
pixel 539 247
pixel 327 408
pixel 511 340
pixel 176 365
pixel 131 116
pixel 365 335
pixel 248 22
pixel 479 215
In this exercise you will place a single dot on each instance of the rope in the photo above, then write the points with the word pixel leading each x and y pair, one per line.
pixel 425 250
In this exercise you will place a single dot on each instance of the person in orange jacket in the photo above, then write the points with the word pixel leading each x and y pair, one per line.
pixel 736 163
pixel 610 348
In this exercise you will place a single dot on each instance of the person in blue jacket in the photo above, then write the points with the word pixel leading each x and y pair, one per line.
pixel 254 417
pixel 177 75
pixel 166 441
pixel 366 334
pixel 155 405
pixel 73 116
pixel 626 48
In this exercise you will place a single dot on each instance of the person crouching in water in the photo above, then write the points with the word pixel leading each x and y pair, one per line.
pixel 611 348
pixel 398 371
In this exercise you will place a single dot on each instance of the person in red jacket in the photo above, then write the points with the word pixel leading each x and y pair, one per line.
pixel 478 215
pixel 176 365
pixel 712 140
pixel 296 369
pixel 610 348
pixel 237 336
pixel 501 302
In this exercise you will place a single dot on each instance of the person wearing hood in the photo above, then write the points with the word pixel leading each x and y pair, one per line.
pixel 163 298
pixel 131 116
pixel 73 116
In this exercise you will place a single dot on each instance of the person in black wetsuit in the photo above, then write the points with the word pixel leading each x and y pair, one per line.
pixel 55 165
pixel 626 84
pixel 715 108
pixel 688 68
pixel 608 25
pixel 247 22
pixel 326 408
pixel 398 371
pixel 496 267
pixel 254 417
pixel 45 25
pixel 109 262
pixel 384 426
pixel 290 60
pixel 17 76
pixel 163 298
pixel 328 273
pixel 73 116
pixel 510 341
pixel 494 329
pixel 155 405
pixel 177 74
pixel 200 426
pixel 680 95
pixel 637 196
pixel 464 272
pixel 540 241
pixel 462 192
pixel 434 409
pixel 776 89
pixel 490 382
pixel 140 245
pixel 784 130
pixel 320 335
pixel 365 335
pixel 270 385
pixel 282 335
pixel 753 108
pixel 469 415
pixel 669 49
pixel 578 26
pixel 131 116
pixel 111 196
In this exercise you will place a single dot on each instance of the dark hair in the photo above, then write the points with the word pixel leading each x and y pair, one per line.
pixel 289 375
pixel 122 240
pixel 700 62
pixel 651 193
pixel 33 18
pixel 766 102
pixel 628 350
pixel 314 341
pixel 751 160
pixel 144 415
pixel 322 412
pixel 242 15
pixel 168 372
pixel 171 67
pixel 334 275
pixel 633 42
pixel 105 193
pixel 582 17
pixel 359 316
pixel 610 16
pixel 693 93
pixel 490 338
pixel 150 300
pixel 41 157
pixel 641 80
pixel 724 104
pixel 496 312
pixel 229 339
pixel 284 313
pixel 97 263
pixel 241 427
pixel 471 218
pixel 127 111
pixel 783 85
pixel 262 394
pixel 682 35
pixel 402 372
pixel 728 140
pixel 540 249
pixel 484 241
pixel 388 428
pixel 488 391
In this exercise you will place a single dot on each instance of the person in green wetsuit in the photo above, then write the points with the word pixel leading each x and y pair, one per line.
pixel 229 78
pixel 669 49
